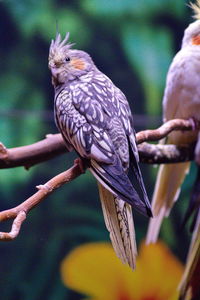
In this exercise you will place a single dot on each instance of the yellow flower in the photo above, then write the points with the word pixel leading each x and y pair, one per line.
pixel 94 270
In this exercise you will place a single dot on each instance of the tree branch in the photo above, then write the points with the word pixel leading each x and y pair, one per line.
pixel 165 129
pixel 27 156
pixel 53 145
pixel 165 154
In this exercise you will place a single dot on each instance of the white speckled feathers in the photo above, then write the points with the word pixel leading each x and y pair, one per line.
pixel 94 117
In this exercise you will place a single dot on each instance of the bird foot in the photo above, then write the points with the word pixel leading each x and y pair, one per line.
pixel 80 163
pixel 195 123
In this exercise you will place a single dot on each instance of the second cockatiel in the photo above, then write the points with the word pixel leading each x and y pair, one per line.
pixel 181 100
pixel 95 120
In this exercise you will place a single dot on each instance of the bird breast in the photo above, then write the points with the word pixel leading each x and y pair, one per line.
pixel 182 92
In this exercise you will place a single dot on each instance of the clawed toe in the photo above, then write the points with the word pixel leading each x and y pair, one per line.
pixel 78 161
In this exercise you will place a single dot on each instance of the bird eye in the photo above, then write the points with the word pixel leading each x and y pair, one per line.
pixel 67 59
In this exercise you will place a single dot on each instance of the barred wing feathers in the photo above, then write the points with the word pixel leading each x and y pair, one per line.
pixel 100 102
pixel 138 175
pixel 113 178
pixel 127 120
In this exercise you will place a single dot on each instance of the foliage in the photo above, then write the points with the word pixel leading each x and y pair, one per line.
pixel 132 42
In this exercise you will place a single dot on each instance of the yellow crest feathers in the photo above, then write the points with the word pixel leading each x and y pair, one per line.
pixel 196 9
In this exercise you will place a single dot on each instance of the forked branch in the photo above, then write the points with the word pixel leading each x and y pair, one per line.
pixel 53 145
pixel 20 212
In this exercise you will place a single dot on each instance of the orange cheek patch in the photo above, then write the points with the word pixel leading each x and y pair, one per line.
pixel 196 40
pixel 78 64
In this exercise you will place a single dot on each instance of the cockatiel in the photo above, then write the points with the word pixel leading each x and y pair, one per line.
pixel 95 120
pixel 181 100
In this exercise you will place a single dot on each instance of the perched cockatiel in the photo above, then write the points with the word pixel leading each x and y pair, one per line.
pixel 95 120
pixel 181 100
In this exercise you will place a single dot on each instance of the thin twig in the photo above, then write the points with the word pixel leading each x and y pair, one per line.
pixel 165 129
pixel 20 212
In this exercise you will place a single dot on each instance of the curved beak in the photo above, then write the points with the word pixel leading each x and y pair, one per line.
pixel 54 71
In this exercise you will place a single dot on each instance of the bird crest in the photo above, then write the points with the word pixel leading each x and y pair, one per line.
pixel 196 9
pixel 58 46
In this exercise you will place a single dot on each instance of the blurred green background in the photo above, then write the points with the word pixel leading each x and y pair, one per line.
pixel 133 42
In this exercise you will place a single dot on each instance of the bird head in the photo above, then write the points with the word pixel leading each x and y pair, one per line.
pixel 192 35
pixel 192 32
pixel 65 63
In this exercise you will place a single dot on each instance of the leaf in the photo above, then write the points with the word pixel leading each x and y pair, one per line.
pixel 142 8
pixel 149 51
pixel 39 18
pixel 18 127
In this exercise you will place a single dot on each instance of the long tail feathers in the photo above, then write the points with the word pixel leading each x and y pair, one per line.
pixel 169 180
pixel 190 283
pixel 119 222
pixel 114 179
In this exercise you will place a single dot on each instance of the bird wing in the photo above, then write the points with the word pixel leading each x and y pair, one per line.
pixel 101 105
pixel 127 120
pixel 117 183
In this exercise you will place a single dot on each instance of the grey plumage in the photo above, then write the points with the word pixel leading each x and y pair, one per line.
pixel 94 117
